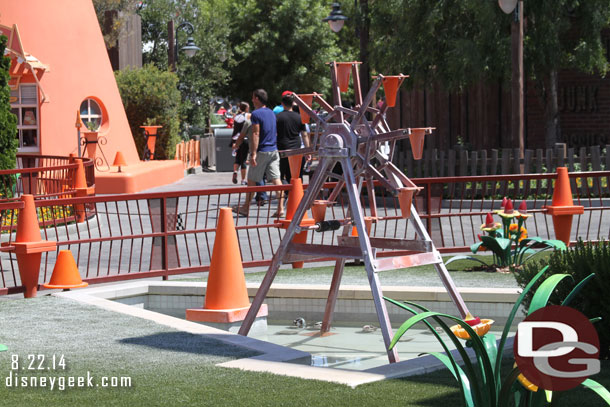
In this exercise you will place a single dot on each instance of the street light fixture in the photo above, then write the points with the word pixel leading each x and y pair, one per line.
pixel 335 19
pixel 190 49
pixel 517 80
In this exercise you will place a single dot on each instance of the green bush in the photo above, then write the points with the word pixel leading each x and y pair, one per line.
pixel 8 121
pixel 580 261
pixel 150 95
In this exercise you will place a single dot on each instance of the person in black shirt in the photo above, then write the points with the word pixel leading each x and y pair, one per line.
pixel 291 134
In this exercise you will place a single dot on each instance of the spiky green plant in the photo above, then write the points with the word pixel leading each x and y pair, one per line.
pixel 480 383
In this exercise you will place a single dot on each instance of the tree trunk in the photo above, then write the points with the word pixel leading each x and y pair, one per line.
pixel 551 110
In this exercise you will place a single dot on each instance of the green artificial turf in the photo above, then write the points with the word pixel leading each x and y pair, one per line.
pixel 172 368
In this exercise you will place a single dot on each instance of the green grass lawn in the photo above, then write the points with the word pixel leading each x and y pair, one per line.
pixel 172 368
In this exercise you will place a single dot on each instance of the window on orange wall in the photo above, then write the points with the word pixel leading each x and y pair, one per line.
pixel 25 107
pixel 91 114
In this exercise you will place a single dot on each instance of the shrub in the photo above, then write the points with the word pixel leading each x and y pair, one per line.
pixel 8 121
pixel 580 261
pixel 151 95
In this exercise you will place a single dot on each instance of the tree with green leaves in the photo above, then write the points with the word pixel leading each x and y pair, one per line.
pixel 461 42
pixel 8 121
pixel 202 76
pixel 280 46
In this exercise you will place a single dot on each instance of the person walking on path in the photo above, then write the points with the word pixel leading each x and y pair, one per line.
pixel 264 157
pixel 291 134
pixel 240 151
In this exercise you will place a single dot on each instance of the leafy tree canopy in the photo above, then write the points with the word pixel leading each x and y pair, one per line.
pixel 455 42
pixel 281 46
pixel 201 76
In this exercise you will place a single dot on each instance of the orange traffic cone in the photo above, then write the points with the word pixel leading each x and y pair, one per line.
pixel 562 208
pixel 119 161
pixel 308 99
pixel 82 190
pixel 226 297
pixel 368 223
pixel 343 72
pixel 390 87
pixel 29 246
pixel 294 199
pixel 65 273
pixel 295 165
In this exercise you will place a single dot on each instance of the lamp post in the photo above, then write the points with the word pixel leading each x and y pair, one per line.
pixel 189 49
pixel 336 19
pixel 517 99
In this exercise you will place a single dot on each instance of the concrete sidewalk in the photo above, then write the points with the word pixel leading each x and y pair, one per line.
pixel 202 180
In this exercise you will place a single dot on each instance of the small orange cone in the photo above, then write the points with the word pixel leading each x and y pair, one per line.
pixel 318 209
pixel 343 73
pixel 65 273
pixel 405 199
pixel 390 87
pixel 119 161
pixel 417 142
pixel 562 208
pixel 226 297
pixel 308 99
pixel 368 223
pixel 82 190
pixel 295 165
pixel 562 194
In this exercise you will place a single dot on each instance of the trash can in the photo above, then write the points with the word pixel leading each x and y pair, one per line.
pixel 224 159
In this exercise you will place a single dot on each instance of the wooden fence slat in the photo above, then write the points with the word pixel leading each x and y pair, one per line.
pixel 517 161
pixel 463 163
pixel 596 165
pixel 493 169
pixel 527 161
pixel 583 167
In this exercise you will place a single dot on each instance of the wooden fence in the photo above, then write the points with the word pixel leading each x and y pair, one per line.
pixel 450 163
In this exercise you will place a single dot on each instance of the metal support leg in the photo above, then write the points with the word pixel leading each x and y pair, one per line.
pixel 309 196
pixel 365 245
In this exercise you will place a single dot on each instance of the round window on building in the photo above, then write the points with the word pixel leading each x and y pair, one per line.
pixel 91 114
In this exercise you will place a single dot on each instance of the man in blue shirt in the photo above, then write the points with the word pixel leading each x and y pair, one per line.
pixel 264 157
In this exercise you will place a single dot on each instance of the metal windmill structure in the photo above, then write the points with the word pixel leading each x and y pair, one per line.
pixel 352 138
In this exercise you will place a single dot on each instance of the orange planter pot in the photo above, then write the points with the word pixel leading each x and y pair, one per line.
pixel 417 142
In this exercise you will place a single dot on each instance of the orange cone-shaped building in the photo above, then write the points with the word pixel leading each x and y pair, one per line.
pixel 59 65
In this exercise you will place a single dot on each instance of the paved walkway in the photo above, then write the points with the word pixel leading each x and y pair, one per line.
pixel 203 180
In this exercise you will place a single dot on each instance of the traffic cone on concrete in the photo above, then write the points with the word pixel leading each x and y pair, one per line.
pixel 29 246
pixel 562 208
pixel 226 296
pixel 65 273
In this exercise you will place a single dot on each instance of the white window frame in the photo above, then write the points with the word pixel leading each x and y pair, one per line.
pixel 88 116
pixel 19 106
